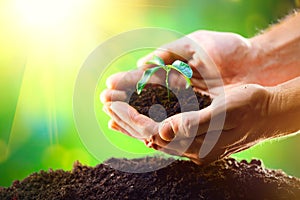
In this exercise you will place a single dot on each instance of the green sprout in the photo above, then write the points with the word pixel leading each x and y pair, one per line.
pixel 178 65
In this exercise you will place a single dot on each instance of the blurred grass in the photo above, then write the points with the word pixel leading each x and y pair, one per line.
pixel 43 45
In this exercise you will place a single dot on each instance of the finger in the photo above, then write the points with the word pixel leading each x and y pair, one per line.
pixel 158 140
pixel 198 67
pixel 165 54
pixel 106 108
pixel 128 80
pixel 114 126
pixel 189 149
pixel 169 151
pixel 152 145
pixel 175 152
pixel 181 146
pixel 112 95
pixel 120 124
pixel 187 124
pixel 176 80
pixel 180 49
pixel 124 80
pixel 145 126
pixel 214 145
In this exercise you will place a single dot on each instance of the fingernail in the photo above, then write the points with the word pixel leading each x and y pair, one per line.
pixel 113 106
pixel 166 132
pixel 102 97
pixel 108 82
pixel 104 109
pixel 112 125
pixel 108 105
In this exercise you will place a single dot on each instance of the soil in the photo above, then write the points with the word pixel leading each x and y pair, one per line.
pixel 181 100
pixel 223 179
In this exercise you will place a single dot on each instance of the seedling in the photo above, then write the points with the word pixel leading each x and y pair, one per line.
pixel 178 65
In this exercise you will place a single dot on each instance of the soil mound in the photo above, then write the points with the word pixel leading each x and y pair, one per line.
pixel 223 179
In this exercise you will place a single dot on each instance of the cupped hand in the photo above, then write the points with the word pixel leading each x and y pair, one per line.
pixel 213 56
pixel 216 59
pixel 234 121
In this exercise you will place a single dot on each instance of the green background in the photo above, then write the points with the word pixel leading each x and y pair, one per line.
pixel 45 42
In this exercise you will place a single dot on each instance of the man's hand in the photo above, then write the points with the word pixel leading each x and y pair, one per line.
pixel 218 60
pixel 245 108
pixel 209 73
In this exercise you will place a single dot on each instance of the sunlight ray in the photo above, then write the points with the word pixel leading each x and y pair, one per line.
pixel 14 140
pixel 49 84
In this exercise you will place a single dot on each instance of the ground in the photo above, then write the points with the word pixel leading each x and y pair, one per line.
pixel 224 179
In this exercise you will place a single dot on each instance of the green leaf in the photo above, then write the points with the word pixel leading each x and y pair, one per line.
pixel 156 61
pixel 188 82
pixel 146 76
pixel 183 68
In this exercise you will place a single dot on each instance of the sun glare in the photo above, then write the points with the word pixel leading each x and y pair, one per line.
pixel 46 13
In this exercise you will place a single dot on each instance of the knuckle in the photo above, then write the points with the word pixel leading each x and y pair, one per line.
pixel 174 125
pixel 186 127
pixel 147 130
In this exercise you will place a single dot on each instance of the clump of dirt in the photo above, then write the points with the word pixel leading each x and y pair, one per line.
pixel 180 100
pixel 223 179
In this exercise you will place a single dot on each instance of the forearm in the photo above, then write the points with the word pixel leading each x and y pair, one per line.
pixel 276 57
pixel 284 108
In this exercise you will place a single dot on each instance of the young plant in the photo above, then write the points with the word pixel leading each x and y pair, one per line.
pixel 178 65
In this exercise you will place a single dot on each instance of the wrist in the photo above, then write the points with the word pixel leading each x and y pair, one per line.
pixel 274 57
pixel 283 108
pixel 258 58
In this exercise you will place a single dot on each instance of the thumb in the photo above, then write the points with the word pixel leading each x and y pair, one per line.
pixel 187 124
pixel 167 56
pixel 176 50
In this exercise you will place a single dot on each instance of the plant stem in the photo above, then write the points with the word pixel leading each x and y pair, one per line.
pixel 167 82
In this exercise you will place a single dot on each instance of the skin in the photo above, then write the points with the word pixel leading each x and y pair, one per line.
pixel 254 83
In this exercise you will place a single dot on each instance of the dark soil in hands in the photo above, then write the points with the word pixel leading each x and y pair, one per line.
pixel 181 100
pixel 224 179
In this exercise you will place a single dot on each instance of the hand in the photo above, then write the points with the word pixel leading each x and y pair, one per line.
pixel 127 120
pixel 245 107
pixel 238 131
pixel 216 59
pixel 267 59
